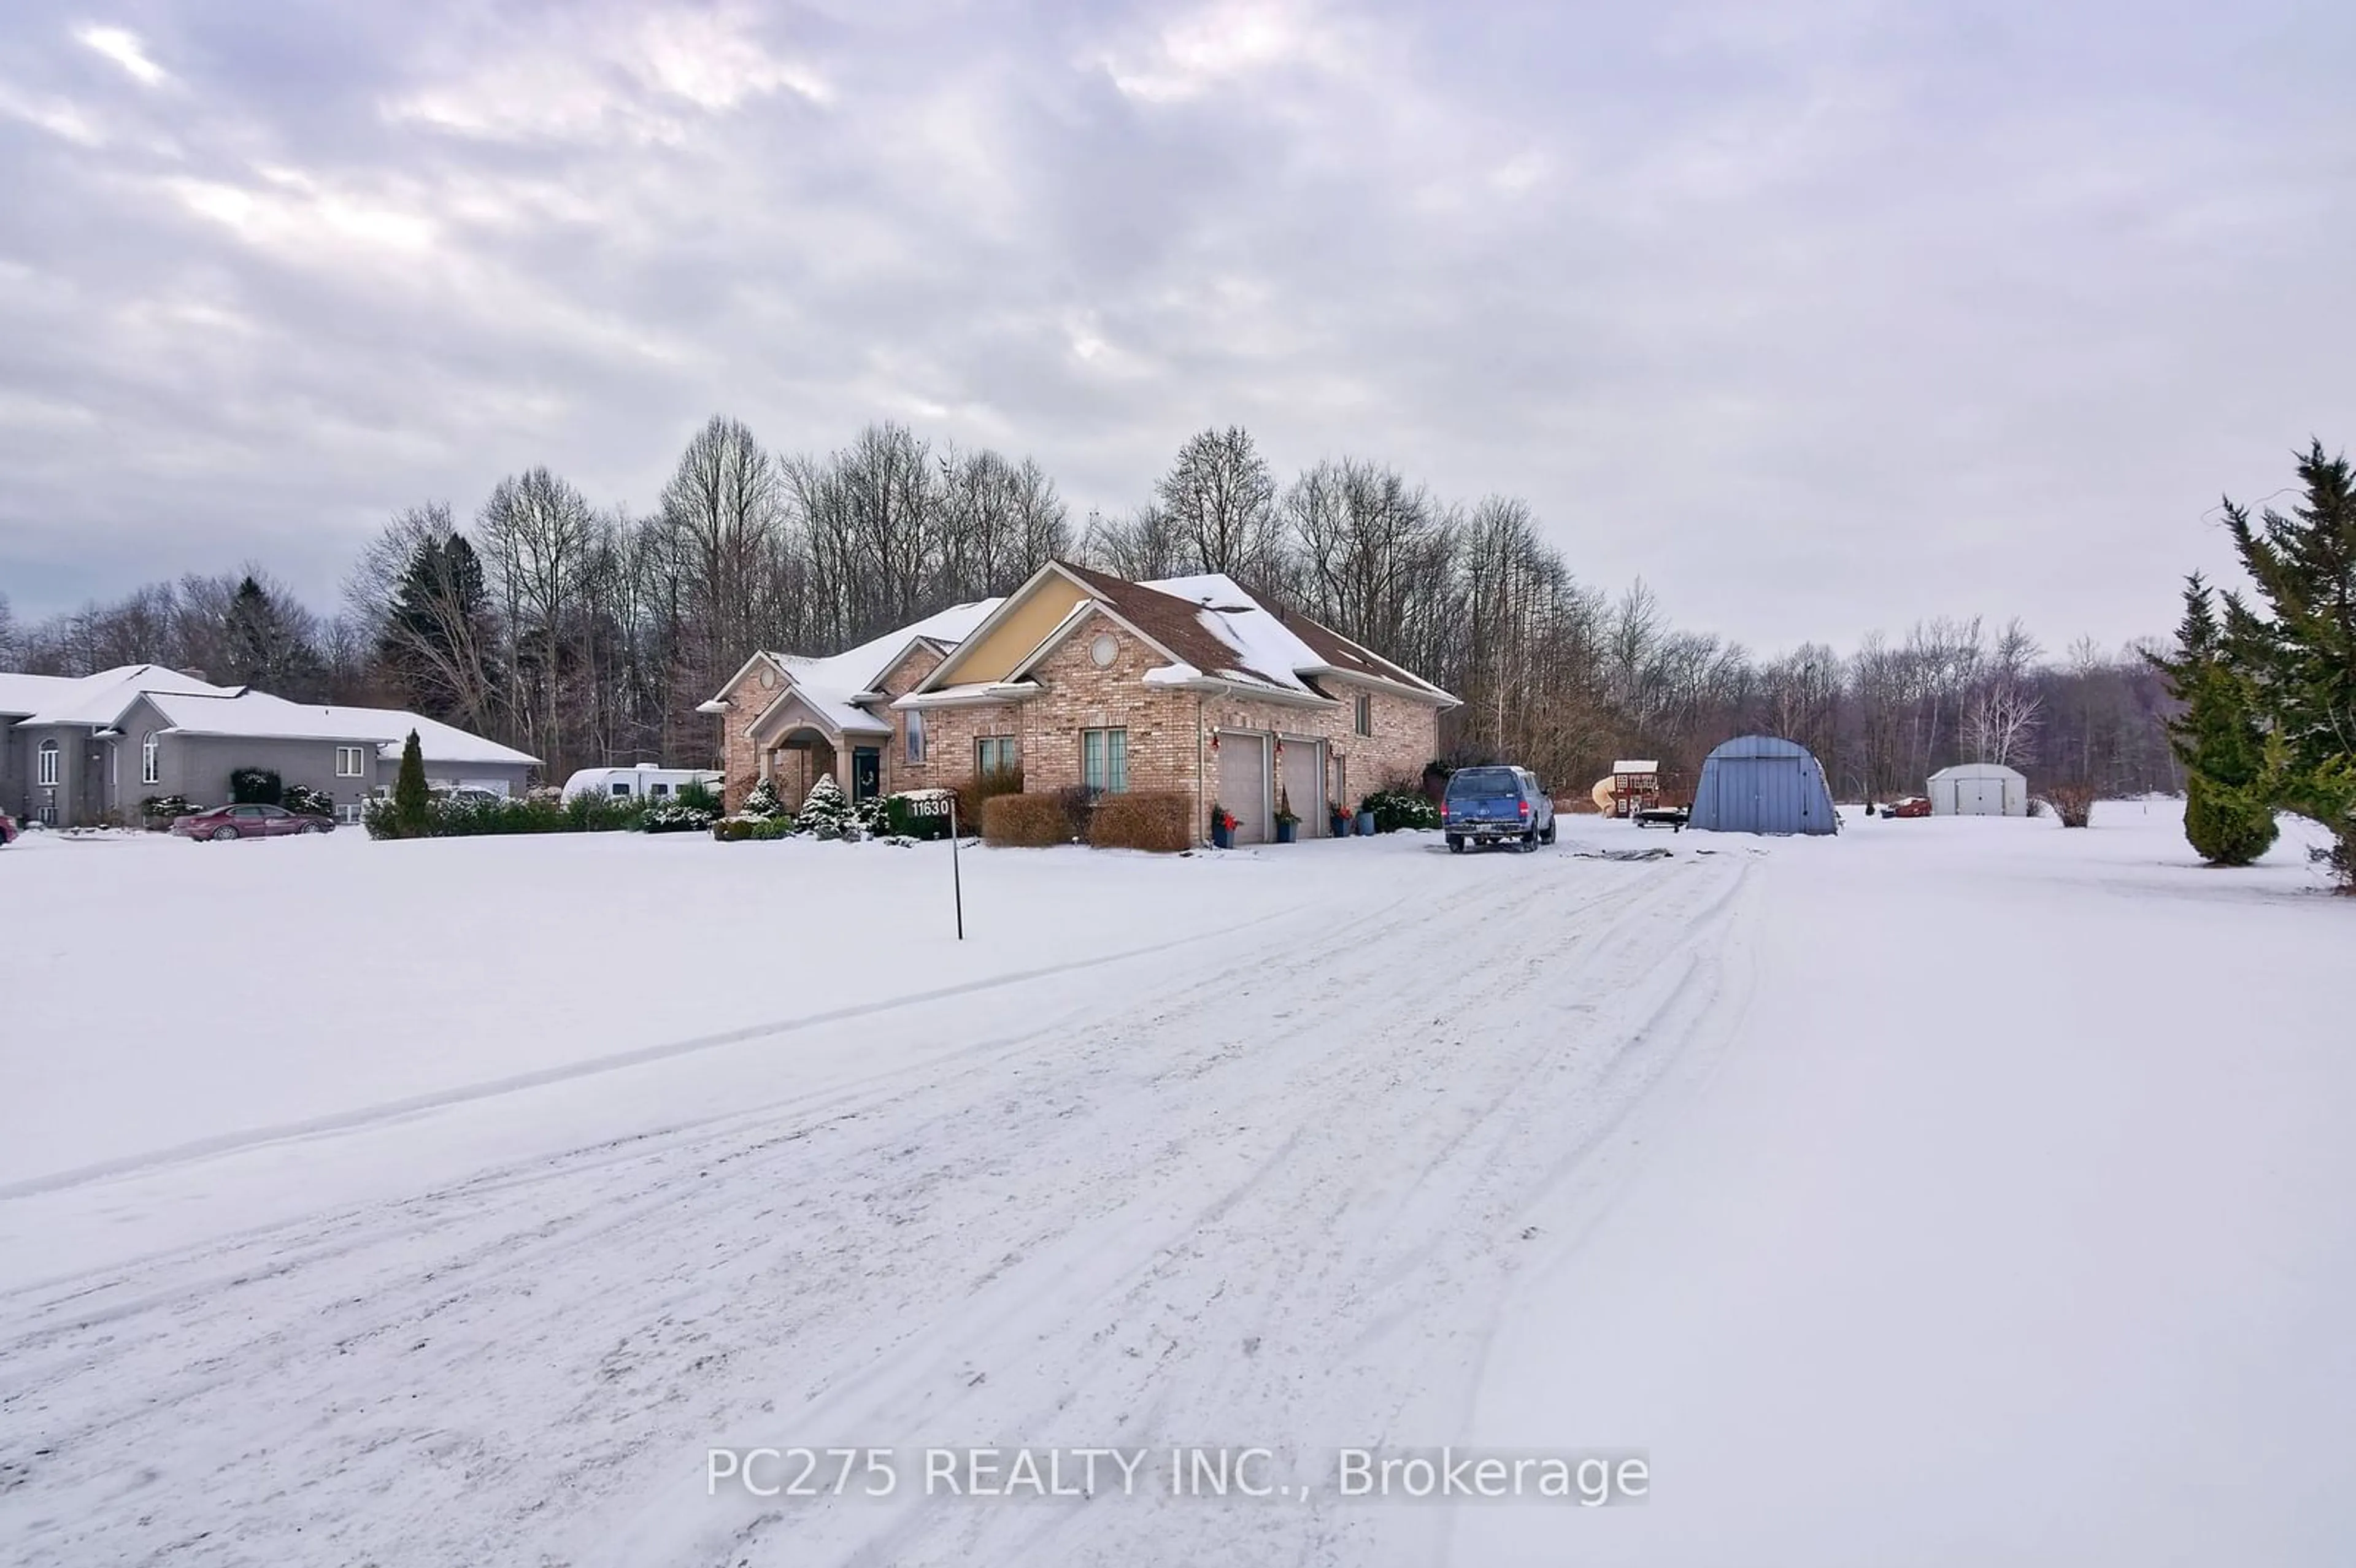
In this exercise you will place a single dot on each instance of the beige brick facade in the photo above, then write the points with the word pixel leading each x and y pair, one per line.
pixel 1169 730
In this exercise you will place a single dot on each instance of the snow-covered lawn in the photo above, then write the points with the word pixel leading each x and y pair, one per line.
pixel 1951 1192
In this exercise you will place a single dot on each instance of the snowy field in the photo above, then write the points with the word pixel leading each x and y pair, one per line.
pixel 1949 1194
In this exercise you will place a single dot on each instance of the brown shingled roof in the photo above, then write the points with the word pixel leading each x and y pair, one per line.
pixel 1176 623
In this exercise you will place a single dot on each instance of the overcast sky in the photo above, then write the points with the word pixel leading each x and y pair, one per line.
pixel 1818 316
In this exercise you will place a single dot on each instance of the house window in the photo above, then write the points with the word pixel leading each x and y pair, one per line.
pixel 347 762
pixel 916 733
pixel 151 761
pixel 1365 715
pixel 1104 759
pixel 996 754
pixel 49 764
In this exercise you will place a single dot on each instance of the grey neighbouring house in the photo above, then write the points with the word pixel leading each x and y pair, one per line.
pixel 76 752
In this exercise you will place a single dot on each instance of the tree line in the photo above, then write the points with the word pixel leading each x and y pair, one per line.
pixel 586 634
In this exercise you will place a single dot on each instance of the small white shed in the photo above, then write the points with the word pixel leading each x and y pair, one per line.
pixel 1978 789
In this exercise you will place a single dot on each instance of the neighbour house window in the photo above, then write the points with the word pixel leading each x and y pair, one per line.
pixel 1366 716
pixel 49 764
pixel 151 768
pixel 1104 759
pixel 347 762
pixel 996 754
pixel 916 732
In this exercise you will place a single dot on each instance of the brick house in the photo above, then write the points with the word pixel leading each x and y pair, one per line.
pixel 1079 677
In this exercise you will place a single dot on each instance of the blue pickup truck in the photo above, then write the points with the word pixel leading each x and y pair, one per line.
pixel 1496 806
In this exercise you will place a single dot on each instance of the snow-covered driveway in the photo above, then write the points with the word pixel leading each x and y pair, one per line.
pixel 1264 1180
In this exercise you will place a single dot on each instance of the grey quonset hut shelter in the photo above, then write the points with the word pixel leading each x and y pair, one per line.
pixel 1757 784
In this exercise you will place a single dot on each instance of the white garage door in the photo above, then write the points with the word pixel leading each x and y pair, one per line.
pixel 1243 784
pixel 1304 785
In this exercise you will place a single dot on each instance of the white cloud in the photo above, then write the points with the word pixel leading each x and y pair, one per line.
pixel 65 121
pixel 122 47
pixel 1224 43
pixel 642 77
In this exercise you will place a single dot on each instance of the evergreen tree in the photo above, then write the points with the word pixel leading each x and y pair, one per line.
pixel 439 638
pixel 2297 646
pixel 761 802
pixel 827 814
pixel 413 803
pixel 268 642
pixel 2228 814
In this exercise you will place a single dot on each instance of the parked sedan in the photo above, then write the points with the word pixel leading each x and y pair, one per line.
pixel 249 821
pixel 1912 806
pixel 7 828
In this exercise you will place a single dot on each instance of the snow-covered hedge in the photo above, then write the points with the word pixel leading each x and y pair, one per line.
pixel 752 829
pixel 673 817
pixel 1396 809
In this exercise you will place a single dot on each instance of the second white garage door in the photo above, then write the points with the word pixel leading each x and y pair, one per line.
pixel 1304 785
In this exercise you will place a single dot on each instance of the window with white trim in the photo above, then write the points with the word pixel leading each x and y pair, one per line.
pixel 347 762
pixel 1104 759
pixel 47 773
pixel 151 761
pixel 915 730
pixel 996 754
pixel 1366 714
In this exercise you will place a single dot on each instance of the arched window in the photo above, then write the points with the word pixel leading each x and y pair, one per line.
pixel 150 763
pixel 49 764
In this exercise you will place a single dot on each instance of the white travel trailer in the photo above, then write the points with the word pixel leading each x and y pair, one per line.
pixel 647 781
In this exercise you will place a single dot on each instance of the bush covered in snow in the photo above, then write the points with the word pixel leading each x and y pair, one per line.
pixel 828 813
pixel 1396 809
pixel 752 829
pixel 447 816
pixel 304 800
pixel 761 802
pixel 160 809
pixel 256 786
pixel 673 816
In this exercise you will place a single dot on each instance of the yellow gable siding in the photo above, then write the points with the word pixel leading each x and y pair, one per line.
pixel 995 655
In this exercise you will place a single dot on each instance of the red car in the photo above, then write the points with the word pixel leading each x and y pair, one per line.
pixel 1913 805
pixel 7 828
pixel 249 821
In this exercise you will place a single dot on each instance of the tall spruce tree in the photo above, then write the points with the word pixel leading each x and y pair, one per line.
pixel 2229 814
pixel 2297 645
pixel 412 802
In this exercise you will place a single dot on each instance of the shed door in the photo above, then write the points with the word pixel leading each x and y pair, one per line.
pixel 1243 784
pixel 1304 785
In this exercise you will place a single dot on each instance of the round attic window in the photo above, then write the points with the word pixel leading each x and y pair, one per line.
pixel 1104 650
pixel 768 679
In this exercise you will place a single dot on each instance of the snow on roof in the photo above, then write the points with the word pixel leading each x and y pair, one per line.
pixel 1646 765
pixel 1278 649
pixel 260 715
pixel 829 684
pixel 94 699
pixel 1267 650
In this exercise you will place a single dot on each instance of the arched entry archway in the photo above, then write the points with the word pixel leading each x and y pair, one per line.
pixel 798 759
